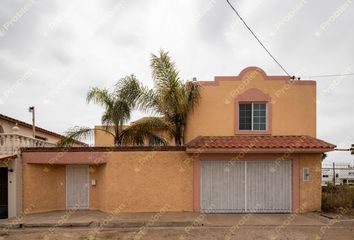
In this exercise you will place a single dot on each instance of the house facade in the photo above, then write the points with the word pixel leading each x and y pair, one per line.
pixel 251 147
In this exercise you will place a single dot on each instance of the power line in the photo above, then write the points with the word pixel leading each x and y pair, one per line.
pixel 332 75
pixel 259 41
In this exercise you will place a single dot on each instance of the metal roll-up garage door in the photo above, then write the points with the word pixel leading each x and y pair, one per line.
pixel 245 186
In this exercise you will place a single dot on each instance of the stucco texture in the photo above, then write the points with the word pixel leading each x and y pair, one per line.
pixel 141 181
pixel 147 182
pixel 293 105
pixel 43 187
pixel 310 191
pixel 103 138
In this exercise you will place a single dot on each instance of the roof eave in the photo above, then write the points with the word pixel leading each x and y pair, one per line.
pixel 270 150
pixel 5 158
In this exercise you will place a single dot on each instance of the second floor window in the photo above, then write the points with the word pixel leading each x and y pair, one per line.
pixel 253 116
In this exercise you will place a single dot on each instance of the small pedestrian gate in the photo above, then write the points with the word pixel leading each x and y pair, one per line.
pixel 77 184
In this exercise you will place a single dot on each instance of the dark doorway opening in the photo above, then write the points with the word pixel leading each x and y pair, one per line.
pixel 3 193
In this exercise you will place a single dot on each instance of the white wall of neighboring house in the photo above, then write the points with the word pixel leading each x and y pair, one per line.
pixel 27 131
pixel 344 173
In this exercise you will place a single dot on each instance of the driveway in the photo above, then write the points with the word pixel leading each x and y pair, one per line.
pixel 169 225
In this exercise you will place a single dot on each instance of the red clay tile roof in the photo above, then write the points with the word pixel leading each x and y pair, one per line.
pixel 258 142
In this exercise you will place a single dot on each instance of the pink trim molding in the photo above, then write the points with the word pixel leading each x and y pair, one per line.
pixel 258 70
pixel 65 158
pixel 296 184
pixel 295 174
pixel 196 185
pixel 253 95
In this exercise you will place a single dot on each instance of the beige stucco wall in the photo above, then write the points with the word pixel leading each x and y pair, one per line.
pixel 102 138
pixel 147 182
pixel 43 187
pixel 105 139
pixel 293 107
pixel 310 191
pixel 96 172
pixel 142 181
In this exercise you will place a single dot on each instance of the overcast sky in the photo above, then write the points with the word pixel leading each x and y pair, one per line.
pixel 51 52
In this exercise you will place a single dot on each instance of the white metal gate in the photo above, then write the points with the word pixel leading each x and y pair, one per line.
pixel 246 186
pixel 77 183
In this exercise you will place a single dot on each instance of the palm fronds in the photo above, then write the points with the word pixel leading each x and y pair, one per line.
pixel 99 96
pixel 75 134
pixel 146 129
pixel 80 134
pixel 170 98
pixel 173 98
pixel 129 89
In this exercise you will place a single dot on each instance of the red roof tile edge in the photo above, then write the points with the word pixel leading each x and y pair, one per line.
pixel 258 142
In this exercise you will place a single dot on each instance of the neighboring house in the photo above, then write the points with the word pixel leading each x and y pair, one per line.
pixel 103 138
pixel 344 174
pixel 251 147
pixel 15 134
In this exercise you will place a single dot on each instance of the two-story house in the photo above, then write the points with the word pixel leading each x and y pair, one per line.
pixel 251 147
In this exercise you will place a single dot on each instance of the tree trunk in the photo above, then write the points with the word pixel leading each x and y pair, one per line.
pixel 117 138
pixel 178 135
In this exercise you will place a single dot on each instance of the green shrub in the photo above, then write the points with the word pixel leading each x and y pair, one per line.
pixel 337 197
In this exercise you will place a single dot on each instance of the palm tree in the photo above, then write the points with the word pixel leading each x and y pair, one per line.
pixel 171 98
pixel 117 112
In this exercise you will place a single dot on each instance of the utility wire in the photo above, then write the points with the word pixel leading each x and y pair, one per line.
pixel 332 75
pixel 259 41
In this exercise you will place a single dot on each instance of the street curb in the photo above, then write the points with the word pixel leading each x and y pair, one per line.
pixel 10 226
pixel 56 225
pixel 130 224
pixel 147 224
pixel 92 224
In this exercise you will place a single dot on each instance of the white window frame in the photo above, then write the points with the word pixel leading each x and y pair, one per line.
pixel 266 116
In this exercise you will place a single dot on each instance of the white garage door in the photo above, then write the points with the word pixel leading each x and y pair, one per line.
pixel 245 186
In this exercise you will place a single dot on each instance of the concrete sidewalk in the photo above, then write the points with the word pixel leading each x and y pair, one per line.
pixel 87 218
